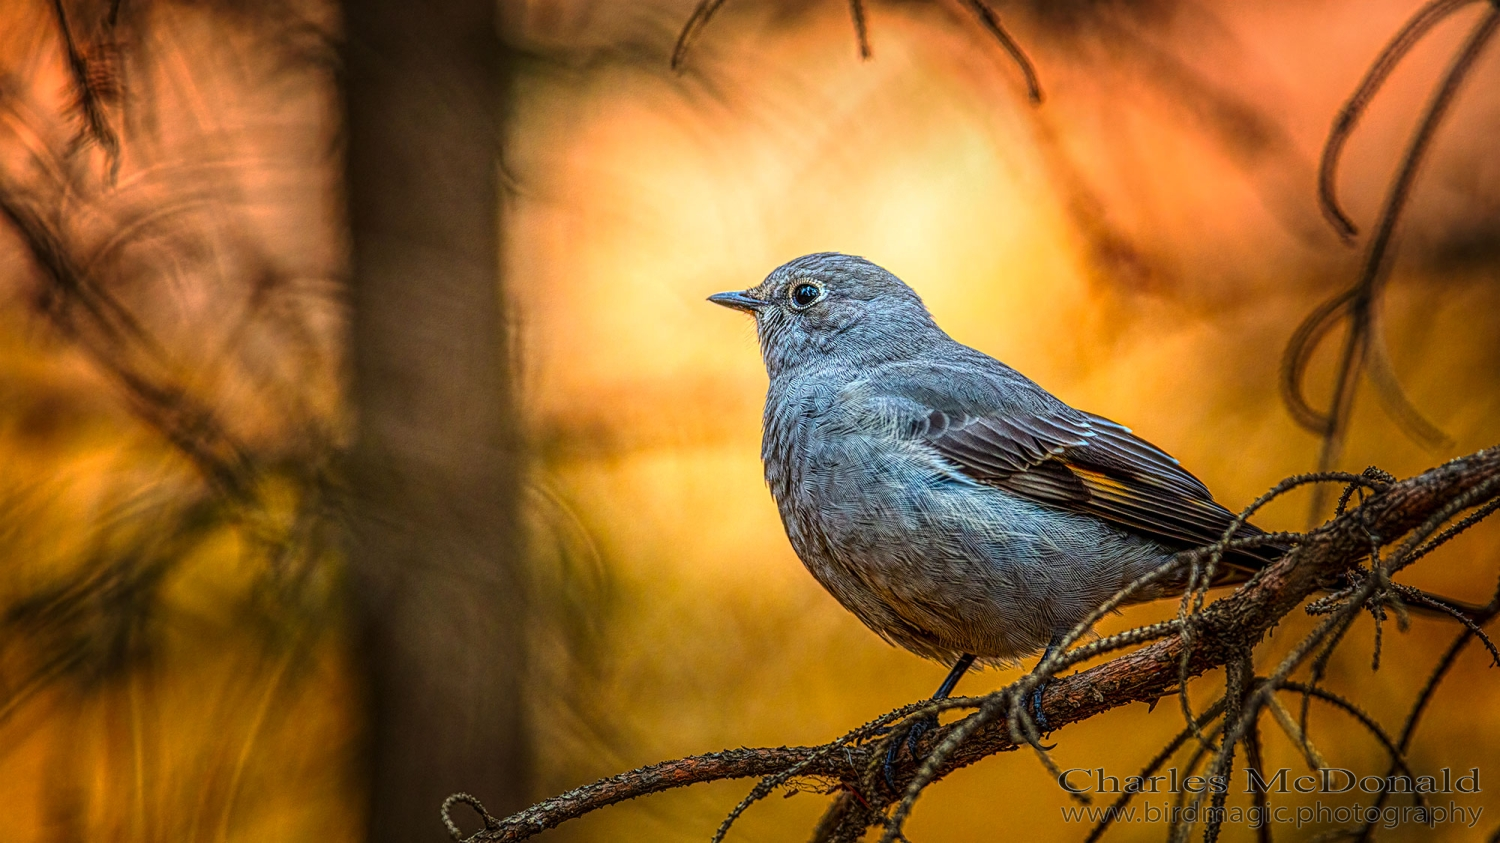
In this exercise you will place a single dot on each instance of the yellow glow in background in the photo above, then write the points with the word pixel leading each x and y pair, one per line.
pixel 1143 245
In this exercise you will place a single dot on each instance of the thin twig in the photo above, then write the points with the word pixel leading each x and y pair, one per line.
pixel 91 85
pixel 1344 123
pixel 861 33
pixel 1358 303
pixel 690 30
pixel 991 23
pixel 706 9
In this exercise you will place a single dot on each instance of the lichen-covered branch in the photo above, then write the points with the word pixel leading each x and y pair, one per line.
pixel 1223 632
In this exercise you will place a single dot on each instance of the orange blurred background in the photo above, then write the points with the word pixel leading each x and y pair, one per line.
pixel 1143 245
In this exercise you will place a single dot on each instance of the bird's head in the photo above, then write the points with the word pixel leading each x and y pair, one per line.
pixel 832 308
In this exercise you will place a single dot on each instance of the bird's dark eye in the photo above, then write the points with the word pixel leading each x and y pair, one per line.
pixel 805 293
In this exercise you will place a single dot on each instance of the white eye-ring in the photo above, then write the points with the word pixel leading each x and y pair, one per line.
pixel 805 294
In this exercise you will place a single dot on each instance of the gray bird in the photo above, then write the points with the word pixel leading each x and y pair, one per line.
pixel 954 506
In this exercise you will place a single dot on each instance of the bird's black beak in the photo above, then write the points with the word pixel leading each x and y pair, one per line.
pixel 738 301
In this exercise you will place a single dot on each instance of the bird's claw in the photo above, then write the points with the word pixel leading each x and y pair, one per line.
pixel 914 733
pixel 1036 708
pixel 1038 717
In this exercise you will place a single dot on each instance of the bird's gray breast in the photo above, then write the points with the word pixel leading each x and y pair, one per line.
pixel 926 557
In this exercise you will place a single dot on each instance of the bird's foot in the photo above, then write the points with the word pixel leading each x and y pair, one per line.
pixel 1038 717
pixel 1036 707
pixel 914 733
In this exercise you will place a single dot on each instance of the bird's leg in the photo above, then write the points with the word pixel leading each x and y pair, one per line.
pixel 920 727
pixel 930 721
pixel 960 667
pixel 1036 695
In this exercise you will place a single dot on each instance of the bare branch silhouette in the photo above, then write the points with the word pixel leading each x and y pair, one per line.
pixel 1344 123
pixel 991 23
pixel 86 313
pixel 1221 634
pixel 706 9
pixel 857 13
pixel 1363 348
pixel 95 79
pixel 92 253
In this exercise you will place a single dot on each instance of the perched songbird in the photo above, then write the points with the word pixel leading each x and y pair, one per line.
pixel 949 502
pixel 954 506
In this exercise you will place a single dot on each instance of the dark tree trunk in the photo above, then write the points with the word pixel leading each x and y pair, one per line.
pixel 436 559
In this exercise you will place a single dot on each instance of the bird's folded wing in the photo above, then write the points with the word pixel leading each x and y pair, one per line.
pixel 1087 464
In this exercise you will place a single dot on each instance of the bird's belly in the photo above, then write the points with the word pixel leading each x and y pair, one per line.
pixel 943 566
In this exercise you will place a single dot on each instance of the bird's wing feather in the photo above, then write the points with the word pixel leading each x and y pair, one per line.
pixel 997 427
pixel 1087 464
